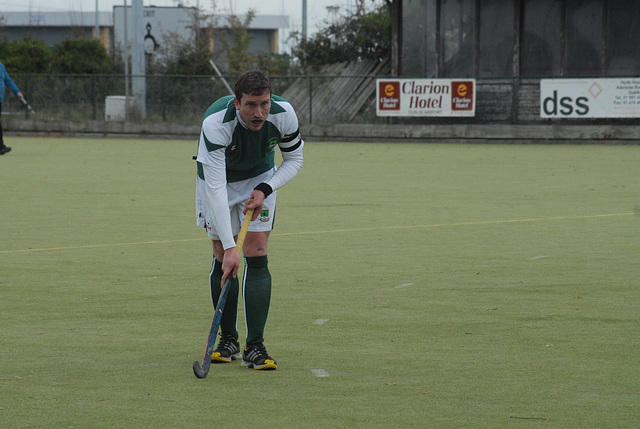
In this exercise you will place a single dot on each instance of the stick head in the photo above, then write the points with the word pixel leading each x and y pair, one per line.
pixel 199 371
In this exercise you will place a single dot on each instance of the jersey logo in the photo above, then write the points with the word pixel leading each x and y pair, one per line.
pixel 264 215
pixel 272 142
pixel 233 148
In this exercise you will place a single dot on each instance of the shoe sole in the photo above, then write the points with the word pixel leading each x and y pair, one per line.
pixel 216 358
pixel 267 365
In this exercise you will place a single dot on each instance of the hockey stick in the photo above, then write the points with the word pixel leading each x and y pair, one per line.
pixel 202 369
pixel 28 105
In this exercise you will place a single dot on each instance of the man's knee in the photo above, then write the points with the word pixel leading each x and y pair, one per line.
pixel 218 250
pixel 256 244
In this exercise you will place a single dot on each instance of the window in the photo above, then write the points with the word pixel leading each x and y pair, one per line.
pixel 583 35
pixel 541 38
pixel 496 38
pixel 457 38
pixel 623 34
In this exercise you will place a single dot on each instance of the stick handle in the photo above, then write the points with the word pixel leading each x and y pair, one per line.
pixel 243 231
pixel 27 104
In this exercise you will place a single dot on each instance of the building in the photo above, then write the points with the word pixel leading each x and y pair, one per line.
pixel 164 23
pixel 519 38
pixel 54 27
pixel 160 22
pixel 511 46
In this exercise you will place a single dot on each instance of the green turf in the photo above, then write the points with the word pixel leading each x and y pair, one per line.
pixel 460 286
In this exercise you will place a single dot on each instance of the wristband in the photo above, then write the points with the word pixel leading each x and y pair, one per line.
pixel 264 188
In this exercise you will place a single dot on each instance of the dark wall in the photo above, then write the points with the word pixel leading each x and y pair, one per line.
pixel 527 38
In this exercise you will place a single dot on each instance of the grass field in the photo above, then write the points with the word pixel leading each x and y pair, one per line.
pixel 415 286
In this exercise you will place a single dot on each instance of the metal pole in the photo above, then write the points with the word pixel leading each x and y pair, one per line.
pixel 304 19
pixel 94 101
pixel 138 79
pixel 163 85
pixel 97 23
pixel 126 64
pixel 310 100
pixel 217 70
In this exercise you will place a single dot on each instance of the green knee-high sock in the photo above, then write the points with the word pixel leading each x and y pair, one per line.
pixel 228 322
pixel 257 296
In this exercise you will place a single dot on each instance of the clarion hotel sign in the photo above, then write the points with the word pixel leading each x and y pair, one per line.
pixel 425 97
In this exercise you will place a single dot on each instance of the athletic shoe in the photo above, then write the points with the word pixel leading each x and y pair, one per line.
pixel 4 149
pixel 255 356
pixel 228 349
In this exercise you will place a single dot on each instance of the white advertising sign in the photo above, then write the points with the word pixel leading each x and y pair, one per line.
pixel 425 97
pixel 590 98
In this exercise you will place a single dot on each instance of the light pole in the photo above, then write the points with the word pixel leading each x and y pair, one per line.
pixel 138 81
pixel 126 64
pixel 97 23
pixel 304 19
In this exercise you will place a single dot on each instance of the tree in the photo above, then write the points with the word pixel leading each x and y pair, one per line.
pixel 182 56
pixel 239 58
pixel 361 35
pixel 26 56
pixel 274 64
pixel 81 56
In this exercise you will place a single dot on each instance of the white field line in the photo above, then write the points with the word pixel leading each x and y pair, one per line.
pixel 404 285
pixel 330 231
pixel 320 373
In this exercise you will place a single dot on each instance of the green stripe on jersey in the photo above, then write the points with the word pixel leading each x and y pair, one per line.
pixel 211 146
pixel 224 103
pixel 200 170
pixel 275 107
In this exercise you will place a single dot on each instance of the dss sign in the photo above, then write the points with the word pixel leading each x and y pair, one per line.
pixel 567 106
pixel 590 98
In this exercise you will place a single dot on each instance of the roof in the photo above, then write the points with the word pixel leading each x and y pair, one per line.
pixel 105 19
pixel 261 22
pixel 56 19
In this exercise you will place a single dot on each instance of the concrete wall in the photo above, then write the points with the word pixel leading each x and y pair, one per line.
pixel 472 133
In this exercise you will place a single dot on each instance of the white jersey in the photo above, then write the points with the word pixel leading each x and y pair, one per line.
pixel 229 152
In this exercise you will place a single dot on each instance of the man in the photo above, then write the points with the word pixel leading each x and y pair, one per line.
pixel 236 172
pixel 5 80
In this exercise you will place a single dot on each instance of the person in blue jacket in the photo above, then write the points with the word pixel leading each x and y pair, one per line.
pixel 6 81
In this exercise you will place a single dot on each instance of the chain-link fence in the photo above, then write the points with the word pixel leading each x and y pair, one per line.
pixel 317 99
pixel 83 97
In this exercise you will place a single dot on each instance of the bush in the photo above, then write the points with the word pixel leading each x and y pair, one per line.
pixel 81 56
pixel 26 56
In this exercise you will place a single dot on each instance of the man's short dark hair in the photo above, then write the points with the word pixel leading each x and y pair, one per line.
pixel 253 83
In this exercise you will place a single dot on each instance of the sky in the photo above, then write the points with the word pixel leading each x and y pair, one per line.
pixel 317 11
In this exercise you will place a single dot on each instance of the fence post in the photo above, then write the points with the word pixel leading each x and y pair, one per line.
pixel 163 85
pixel 310 100
pixel 26 88
pixel 94 102
pixel 515 100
